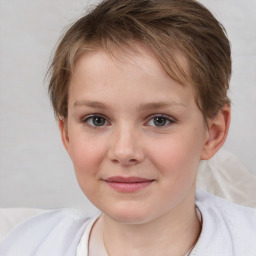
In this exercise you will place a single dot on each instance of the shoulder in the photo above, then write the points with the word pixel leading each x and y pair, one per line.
pixel 58 230
pixel 228 229
pixel 10 218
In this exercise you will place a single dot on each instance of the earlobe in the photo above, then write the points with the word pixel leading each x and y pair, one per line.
pixel 217 132
pixel 64 133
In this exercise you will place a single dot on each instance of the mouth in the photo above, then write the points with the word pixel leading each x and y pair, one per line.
pixel 128 184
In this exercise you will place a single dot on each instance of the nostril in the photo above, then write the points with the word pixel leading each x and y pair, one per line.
pixel 125 151
pixel 125 161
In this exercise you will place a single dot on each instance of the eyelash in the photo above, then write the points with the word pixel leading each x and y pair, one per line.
pixel 91 117
pixel 164 118
pixel 168 121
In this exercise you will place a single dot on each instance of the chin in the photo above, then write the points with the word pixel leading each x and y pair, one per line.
pixel 129 215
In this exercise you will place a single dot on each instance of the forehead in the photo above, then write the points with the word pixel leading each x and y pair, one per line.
pixel 127 60
pixel 173 61
pixel 176 67
pixel 132 76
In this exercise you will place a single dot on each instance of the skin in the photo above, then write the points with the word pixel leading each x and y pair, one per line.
pixel 149 126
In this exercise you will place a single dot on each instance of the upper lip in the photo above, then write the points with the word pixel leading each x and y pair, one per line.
pixel 132 179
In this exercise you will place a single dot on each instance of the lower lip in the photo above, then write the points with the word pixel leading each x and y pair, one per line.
pixel 128 187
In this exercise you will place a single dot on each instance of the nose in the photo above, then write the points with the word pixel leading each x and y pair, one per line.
pixel 126 148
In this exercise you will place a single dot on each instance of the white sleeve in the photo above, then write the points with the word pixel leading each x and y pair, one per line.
pixel 11 217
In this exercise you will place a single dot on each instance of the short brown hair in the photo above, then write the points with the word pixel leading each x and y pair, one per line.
pixel 167 27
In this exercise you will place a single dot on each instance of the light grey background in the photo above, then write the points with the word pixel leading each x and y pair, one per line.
pixel 35 170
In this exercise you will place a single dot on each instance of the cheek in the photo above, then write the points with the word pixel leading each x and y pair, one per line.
pixel 87 158
pixel 86 154
pixel 177 156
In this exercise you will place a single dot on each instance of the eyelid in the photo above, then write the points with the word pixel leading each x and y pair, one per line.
pixel 167 117
pixel 162 115
pixel 87 117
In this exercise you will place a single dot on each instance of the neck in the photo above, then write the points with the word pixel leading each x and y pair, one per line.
pixel 175 232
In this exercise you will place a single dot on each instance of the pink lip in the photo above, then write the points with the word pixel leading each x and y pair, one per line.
pixel 128 184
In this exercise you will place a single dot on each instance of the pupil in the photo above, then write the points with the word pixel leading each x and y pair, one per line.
pixel 98 121
pixel 159 121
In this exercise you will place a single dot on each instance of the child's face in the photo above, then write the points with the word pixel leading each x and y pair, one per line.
pixel 128 119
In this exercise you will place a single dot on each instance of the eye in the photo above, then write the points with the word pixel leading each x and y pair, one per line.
pixel 160 121
pixel 95 120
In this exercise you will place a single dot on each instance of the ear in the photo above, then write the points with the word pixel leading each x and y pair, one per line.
pixel 217 132
pixel 63 127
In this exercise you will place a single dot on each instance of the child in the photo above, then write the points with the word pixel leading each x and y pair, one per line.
pixel 139 88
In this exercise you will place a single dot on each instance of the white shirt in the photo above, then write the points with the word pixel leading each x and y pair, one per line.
pixel 228 230
pixel 98 246
pixel 83 246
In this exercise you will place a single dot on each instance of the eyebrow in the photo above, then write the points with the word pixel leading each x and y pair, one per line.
pixel 160 105
pixel 92 104
pixel 142 107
